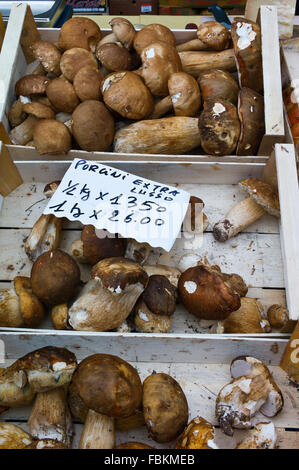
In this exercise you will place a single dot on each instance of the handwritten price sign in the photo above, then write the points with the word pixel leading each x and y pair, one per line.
pixel 120 202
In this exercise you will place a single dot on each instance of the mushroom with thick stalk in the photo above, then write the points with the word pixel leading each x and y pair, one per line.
pixel 196 62
pixel 52 137
pixel 262 436
pixel 263 198
pixel 218 84
pixel 48 55
pixel 214 35
pixel 109 297
pixel 13 437
pixel 123 32
pixel 251 115
pixel 151 34
pixel 79 32
pixel 199 434
pixel 110 388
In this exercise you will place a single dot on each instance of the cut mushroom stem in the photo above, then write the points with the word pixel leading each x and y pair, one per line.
pixel 23 133
pixel 193 45
pixel 98 432
pixel 44 236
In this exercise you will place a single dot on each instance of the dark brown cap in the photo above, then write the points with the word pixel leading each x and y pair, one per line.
pixel 118 273
pixel 160 295
pixel 95 249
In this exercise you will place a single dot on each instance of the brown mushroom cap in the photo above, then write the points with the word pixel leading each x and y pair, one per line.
pixel 93 126
pixel 214 35
pixel 61 95
pixel 263 194
pixel 48 54
pixel 199 434
pixel 31 308
pixel 218 84
pixel 32 85
pixel 118 273
pixel 133 445
pixel 160 295
pixel 114 57
pixel 87 83
pixel 79 32
pixel 124 31
pixel 125 93
pixel 277 315
pixel 51 136
pixel 55 277
pixel 109 385
pixel 251 114
pixel 39 110
pixel 50 188
pixel 153 33
pixel 204 293
pixel 74 59
pixel 95 249
pixel 159 61
pixel 247 319
pixel 184 93
pixel 219 127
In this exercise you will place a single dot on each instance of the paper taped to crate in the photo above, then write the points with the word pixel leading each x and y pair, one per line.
pixel 120 202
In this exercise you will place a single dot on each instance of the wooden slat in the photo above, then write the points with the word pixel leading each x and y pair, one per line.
pixel 10 177
pixel 29 35
pixel 2 31
pixel 286 12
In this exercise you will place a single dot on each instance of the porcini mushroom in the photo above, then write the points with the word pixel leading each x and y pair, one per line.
pixel 137 251
pixel 125 93
pixel 278 316
pixel 214 35
pixel 62 95
pixel 92 126
pixel 251 115
pixel 156 305
pixel 87 83
pixel 91 249
pixel 108 298
pixel 32 85
pixel 263 198
pixel 55 277
pixel 172 273
pixel 13 437
pixel 123 32
pixel 262 436
pixel 219 127
pixel 79 32
pixel 16 114
pixel 113 57
pixel 74 59
pixel 51 136
pixel 59 316
pixel 110 388
pixel 218 84
pixel 199 434
pixel 196 62
pixel 48 55
pixel 151 34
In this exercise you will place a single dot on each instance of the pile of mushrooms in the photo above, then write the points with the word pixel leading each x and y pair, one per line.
pixel 134 91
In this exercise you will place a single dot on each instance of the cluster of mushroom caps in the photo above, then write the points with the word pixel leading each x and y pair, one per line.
pixel 106 393
pixel 89 91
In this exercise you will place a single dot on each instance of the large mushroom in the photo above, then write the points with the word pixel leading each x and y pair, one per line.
pixel 251 114
pixel 79 32
pixel 30 85
pixel 62 95
pixel 87 83
pixel 218 84
pixel 52 137
pixel 262 198
pixel 110 388
pixel 113 57
pixel 74 59
pixel 151 34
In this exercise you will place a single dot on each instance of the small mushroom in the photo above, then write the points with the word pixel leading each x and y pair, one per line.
pixel 251 114
pixel 32 85
pixel 262 199
pixel 59 316
pixel 218 84
pixel 93 126
pixel 219 127
pixel 13 437
pixel 62 95
pixel 48 55
pixel 278 316
pixel 137 251
pixel 124 31
pixel 165 407
pixel 91 249
pixel 74 59
pixel 199 434
pixel 151 34
pixel 51 137
pixel 214 35
pixel 184 97
pixel 79 32
pixel 247 319
pixel 19 307
pixel 126 94
pixel 55 277
pixel 113 57
pixel 109 297
pixel 133 445
pixel 156 305
pixel 110 388
pixel 87 83
pixel 172 273
pixel 262 436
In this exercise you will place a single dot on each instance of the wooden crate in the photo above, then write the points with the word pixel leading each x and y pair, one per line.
pixel 201 366
pixel 265 254
pixel 13 66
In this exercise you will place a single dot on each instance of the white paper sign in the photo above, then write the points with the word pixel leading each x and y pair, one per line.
pixel 120 202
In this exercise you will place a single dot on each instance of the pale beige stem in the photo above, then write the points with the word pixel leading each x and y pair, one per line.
pixel 44 236
pixel 161 108
pixel 193 45
pixel 195 62
pixel 23 133
pixel 98 432
pixel 109 38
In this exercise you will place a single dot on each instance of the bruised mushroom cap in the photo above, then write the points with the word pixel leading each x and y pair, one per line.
pixel 160 295
pixel 113 57
pixel 263 194
pixel 62 95
pixel 159 61
pixel 93 126
pixel 153 33
pixel 219 127
pixel 133 445
pixel 87 83
pixel 32 310
pixel 124 31
pixel 95 249
pixel 251 114
pixel 199 434
pixel 118 273
pixel 74 59
pixel 79 32
pixel 39 110
pixel 32 85
pixel 13 437
pixel 184 93
pixel 262 436
pixel 204 293
pixel 51 136
pixel 109 385
pixel 218 84
pixel 55 277
pixel 214 35
pixel 48 55
pixel 125 93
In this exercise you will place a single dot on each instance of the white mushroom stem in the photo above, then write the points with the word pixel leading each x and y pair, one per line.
pixel 193 45
pixel 238 218
pixel 23 133
pixel 195 62
pixel 50 417
pixel 98 432
pixel 44 236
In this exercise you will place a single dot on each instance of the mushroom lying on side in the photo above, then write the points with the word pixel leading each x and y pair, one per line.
pixel 278 317
pixel 23 133
pixel 151 34
pixel 199 434
pixel 123 32
pixel 196 62
pixel 251 114
pixel 110 388
pixel 262 436
pixel 13 437
pixel 210 35
pixel 263 198
pixel 109 297
pixel 217 84
pixel 46 444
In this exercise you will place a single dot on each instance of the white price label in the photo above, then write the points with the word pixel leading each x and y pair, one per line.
pixel 120 202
